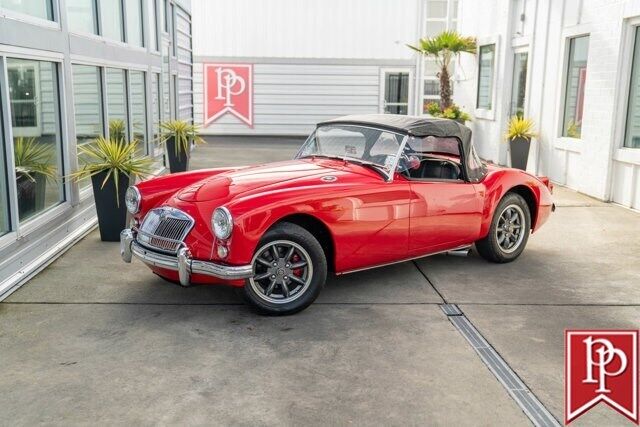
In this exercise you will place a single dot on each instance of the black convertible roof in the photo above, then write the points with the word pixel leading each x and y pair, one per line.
pixel 419 126
pixel 412 125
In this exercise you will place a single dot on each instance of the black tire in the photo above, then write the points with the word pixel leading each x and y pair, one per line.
pixel 491 247
pixel 306 249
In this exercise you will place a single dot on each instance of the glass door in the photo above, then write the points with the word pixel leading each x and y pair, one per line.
pixel 395 91
pixel 519 83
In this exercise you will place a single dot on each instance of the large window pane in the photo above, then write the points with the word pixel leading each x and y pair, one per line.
pixel 5 224
pixel 38 8
pixel 35 121
pixel 576 77
pixel 485 76
pixel 82 16
pixel 134 22
pixel 117 104
pixel 87 101
pixel 632 134
pixel 138 110
pixel 111 17
pixel 519 83
pixel 153 23
pixel 156 113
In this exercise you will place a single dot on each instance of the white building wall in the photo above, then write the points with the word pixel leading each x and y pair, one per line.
pixel 595 164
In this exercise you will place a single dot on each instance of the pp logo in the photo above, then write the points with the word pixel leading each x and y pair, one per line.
pixel 601 366
pixel 228 89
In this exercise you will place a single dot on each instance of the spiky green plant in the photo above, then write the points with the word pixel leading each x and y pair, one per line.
pixel 184 133
pixel 444 47
pixel 114 157
pixel 117 129
pixel 452 112
pixel 32 158
pixel 520 127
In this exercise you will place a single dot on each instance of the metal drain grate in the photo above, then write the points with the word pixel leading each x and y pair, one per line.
pixel 532 407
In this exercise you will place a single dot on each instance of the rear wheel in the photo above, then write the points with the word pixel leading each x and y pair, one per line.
pixel 509 230
pixel 290 269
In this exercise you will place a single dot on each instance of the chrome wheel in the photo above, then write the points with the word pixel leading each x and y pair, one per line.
pixel 282 272
pixel 510 230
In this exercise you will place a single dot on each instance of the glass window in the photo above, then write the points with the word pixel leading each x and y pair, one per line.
pixel 82 16
pixel 632 133
pixel 165 7
pixel 111 19
pixel 435 27
pixel 35 122
pixel 117 104
pixel 38 8
pixel 153 24
pixel 396 93
pixel 173 30
pixel 134 23
pixel 576 78
pixel 437 8
pixel 5 223
pixel 138 110
pixel 519 83
pixel 87 102
pixel 485 76
pixel 156 113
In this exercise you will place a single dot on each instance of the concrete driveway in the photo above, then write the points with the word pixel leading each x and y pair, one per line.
pixel 94 340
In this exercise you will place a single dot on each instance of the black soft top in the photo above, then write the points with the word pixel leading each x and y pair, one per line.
pixel 416 126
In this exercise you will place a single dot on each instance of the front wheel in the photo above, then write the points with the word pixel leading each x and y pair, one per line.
pixel 509 230
pixel 290 269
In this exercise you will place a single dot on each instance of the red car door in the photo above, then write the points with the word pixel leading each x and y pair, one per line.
pixel 443 215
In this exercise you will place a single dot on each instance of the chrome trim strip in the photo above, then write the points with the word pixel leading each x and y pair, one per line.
pixel 404 260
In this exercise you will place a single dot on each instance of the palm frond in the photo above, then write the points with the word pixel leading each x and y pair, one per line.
pixel 32 157
pixel 520 127
pixel 184 133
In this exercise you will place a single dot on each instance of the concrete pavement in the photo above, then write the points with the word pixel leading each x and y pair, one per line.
pixel 94 340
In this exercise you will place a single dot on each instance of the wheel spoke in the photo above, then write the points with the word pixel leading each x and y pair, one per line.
pixel 297 279
pixel 262 276
pixel 289 254
pixel 298 265
pixel 501 237
pixel 263 262
pixel 274 252
pixel 285 289
pixel 269 289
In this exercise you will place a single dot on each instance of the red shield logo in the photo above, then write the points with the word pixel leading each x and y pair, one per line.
pixel 228 88
pixel 601 366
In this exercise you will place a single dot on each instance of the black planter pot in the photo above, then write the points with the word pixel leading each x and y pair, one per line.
pixel 519 148
pixel 112 219
pixel 178 162
pixel 31 193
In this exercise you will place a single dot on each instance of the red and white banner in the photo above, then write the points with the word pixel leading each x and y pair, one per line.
pixel 601 366
pixel 228 88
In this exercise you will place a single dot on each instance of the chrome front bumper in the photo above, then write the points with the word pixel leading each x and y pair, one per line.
pixel 182 263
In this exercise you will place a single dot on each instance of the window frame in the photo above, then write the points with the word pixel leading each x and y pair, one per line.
pixel 518 51
pixel 564 75
pixel 54 22
pixel 484 113
pixel 632 44
pixel 21 228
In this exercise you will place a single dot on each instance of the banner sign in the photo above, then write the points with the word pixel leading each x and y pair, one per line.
pixel 601 366
pixel 228 88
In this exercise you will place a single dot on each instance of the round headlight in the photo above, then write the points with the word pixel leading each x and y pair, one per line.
pixel 132 199
pixel 222 223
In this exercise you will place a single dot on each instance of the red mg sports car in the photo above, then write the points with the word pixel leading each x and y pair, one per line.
pixel 362 192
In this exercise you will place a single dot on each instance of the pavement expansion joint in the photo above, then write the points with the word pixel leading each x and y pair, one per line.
pixel 517 389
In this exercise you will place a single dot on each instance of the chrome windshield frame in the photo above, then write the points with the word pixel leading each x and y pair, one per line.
pixel 390 173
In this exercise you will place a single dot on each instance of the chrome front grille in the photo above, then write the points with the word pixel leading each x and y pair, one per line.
pixel 164 229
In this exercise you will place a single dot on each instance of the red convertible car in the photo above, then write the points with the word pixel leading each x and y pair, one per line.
pixel 362 192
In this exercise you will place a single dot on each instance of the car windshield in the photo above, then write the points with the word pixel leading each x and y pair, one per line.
pixel 358 144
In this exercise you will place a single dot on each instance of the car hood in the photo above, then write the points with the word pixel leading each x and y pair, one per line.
pixel 274 175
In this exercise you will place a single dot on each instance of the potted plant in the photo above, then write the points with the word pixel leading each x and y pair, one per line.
pixel 117 129
pixel 177 135
pixel 444 47
pixel 111 164
pixel 34 166
pixel 519 134
pixel 452 112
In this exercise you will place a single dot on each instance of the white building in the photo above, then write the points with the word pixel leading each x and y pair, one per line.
pixel 313 60
pixel 572 66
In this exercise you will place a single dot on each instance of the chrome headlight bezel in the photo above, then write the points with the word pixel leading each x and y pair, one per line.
pixel 132 199
pixel 222 223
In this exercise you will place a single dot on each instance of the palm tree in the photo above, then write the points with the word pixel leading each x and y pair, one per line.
pixel 444 47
